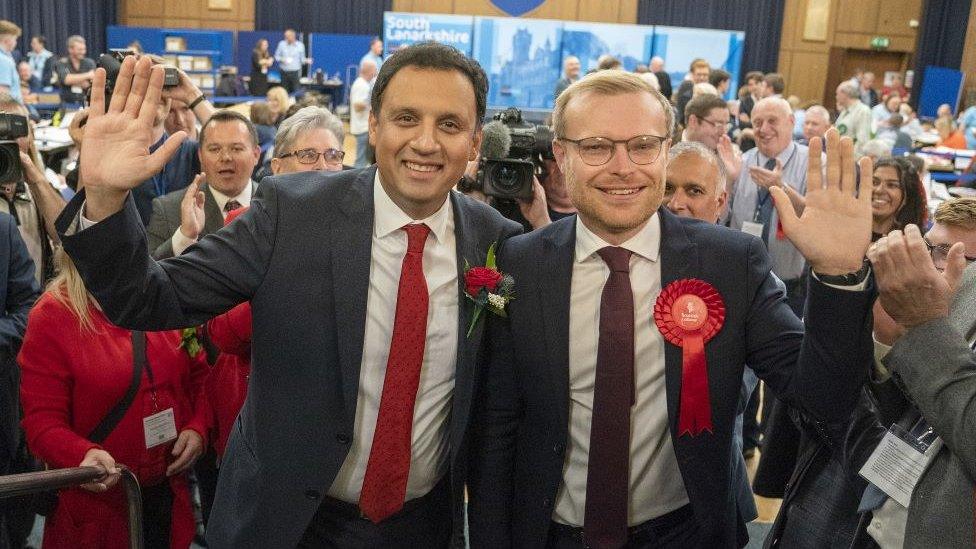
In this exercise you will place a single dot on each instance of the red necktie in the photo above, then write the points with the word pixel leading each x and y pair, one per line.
pixel 385 482
pixel 608 472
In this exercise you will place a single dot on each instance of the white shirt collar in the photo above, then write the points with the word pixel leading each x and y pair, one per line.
pixel 244 198
pixel 646 243
pixel 388 217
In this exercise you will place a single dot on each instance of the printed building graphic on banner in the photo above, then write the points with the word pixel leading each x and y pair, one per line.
pixel 631 44
pixel 522 58
pixel 401 29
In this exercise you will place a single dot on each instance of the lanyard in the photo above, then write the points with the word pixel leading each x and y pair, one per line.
pixel 762 202
pixel 152 381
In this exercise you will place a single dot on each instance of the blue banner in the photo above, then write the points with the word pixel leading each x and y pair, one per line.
pixel 679 46
pixel 402 29
pixel 522 58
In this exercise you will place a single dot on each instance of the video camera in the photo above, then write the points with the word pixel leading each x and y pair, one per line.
pixel 511 153
pixel 112 62
pixel 12 126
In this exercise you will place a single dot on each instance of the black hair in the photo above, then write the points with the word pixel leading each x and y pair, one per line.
pixel 913 209
pixel 224 115
pixel 717 76
pixel 431 55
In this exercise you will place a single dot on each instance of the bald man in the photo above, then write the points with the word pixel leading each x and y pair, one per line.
pixel 777 161
pixel 663 78
pixel 571 71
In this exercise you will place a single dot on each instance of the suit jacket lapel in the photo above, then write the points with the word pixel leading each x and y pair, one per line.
pixel 679 259
pixel 351 256
pixel 470 248
pixel 553 282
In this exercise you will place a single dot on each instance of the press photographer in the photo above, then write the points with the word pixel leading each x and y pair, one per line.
pixel 515 156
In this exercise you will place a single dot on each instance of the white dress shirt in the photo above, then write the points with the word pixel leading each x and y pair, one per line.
pixel 430 446
pixel 180 240
pixel 656 487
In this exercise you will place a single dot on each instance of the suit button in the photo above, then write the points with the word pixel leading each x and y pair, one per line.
pixel 312 494
pixel 343 438
pixel 557 448
pixel 546 503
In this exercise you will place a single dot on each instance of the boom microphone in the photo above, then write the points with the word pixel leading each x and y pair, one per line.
pixel 495 140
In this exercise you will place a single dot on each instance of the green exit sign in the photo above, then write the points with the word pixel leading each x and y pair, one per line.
pixel 880 42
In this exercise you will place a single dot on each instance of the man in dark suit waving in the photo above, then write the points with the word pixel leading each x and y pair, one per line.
pixel 354 432
pixel 612 391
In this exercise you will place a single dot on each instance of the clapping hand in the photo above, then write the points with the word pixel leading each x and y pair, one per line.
pixel 910 288
pixel 116 155
pixel 192 215
pixel 767 178
pixel 834 231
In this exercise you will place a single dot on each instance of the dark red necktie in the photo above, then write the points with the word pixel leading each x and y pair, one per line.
pixel 608 472
pixel 385 482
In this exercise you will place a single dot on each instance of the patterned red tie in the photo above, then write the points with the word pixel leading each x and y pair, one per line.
pixel 385 482
pixel 608 473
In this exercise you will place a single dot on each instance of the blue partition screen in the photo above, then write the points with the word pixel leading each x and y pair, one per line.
pixel 631 44
pixel 679 46
pixel 940 85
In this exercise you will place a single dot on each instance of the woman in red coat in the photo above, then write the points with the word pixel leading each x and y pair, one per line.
pixel 227 383
pixel 75 367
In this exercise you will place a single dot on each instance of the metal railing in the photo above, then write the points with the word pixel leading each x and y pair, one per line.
pixel 56 479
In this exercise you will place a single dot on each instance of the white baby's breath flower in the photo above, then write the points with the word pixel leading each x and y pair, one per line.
pixel 496 301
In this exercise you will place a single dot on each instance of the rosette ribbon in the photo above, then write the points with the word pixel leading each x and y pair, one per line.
pixel 689 312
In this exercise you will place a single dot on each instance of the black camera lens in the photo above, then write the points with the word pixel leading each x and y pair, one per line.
pixel 505 177
pixel 10 171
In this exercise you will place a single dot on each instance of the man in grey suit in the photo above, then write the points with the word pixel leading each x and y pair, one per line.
pixel 330 263
pixel 228 152
pixel 933 361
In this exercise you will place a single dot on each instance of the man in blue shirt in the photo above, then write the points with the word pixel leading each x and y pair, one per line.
pixel 9 79
pixel 290 55
pixel 375 53
pixel 38 57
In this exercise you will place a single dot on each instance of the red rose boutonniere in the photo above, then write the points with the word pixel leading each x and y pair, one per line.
pixel 488 287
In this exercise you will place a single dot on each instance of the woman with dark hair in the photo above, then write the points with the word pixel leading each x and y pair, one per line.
pixel 898 196
pixel 261 61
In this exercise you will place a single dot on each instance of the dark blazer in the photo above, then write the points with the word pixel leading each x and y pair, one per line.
pixel 309 318
pixel 166 219
pixel 519 462
pixel 18 292
pixel 664 79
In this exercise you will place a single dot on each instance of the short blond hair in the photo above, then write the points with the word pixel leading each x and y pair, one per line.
pixel 9 28
pixel 609 82
pixel 957 212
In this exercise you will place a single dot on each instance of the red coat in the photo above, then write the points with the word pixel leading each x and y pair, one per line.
pixel 70 379
pixel 227 384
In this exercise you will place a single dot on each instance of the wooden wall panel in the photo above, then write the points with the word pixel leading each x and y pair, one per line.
pixel 809 71
pixel 857 15
pixel 969 60
pixel 894 17
pixel 189 14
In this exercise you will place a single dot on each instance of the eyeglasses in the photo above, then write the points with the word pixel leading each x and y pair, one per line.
pixel 724 126
pixel 940 254
pixel 597 151
pixel 311 156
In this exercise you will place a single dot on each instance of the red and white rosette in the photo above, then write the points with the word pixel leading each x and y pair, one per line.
pixel 689 312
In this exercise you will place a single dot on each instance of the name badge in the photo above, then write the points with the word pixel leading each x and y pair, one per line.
pixel 159 428
pixel 753 228
pixel 76 89
pixel 898 462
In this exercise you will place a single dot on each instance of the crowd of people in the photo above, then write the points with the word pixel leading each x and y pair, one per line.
pixel 318 354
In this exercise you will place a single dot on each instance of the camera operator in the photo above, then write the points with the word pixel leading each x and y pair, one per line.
pixel 185 164
pixel 28 196
pixel 516 174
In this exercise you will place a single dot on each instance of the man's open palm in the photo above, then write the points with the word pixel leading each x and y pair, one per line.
pixel 115 153
pixel 834 231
